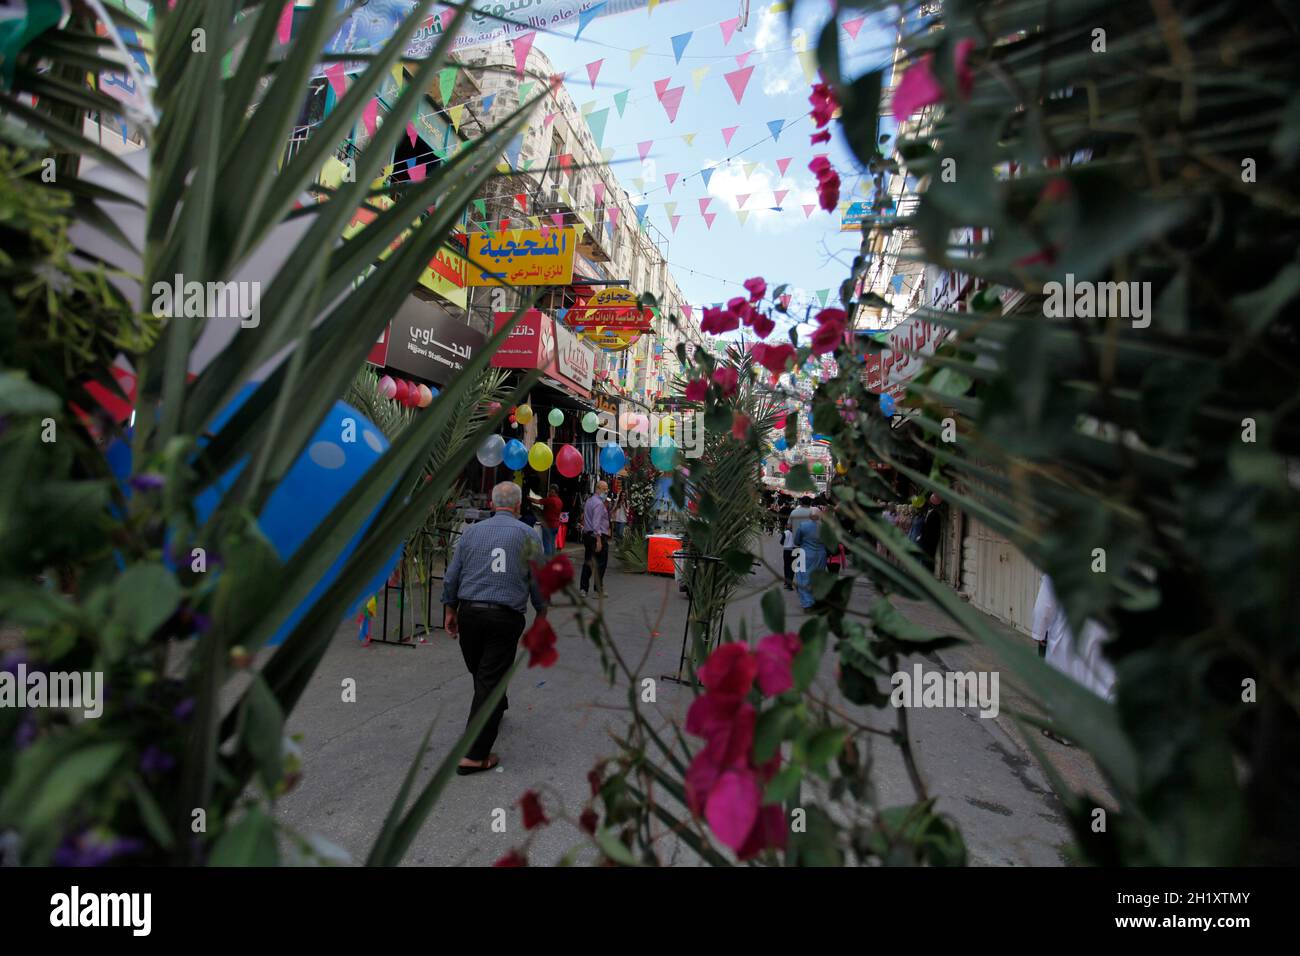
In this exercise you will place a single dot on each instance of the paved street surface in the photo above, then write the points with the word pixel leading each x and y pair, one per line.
pixel 560 720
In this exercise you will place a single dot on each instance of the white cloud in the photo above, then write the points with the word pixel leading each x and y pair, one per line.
pixel 782 74
pixel 729 182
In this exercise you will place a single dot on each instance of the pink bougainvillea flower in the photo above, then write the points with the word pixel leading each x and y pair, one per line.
pixel 775 654
pixel 756 287
pixel 828 192
pixel 820 167
pixel 730 741
pixel 540 642
pixel 831 315
pixel 824 103
pixel 822 136
pixel 730 669
pixel 589 821
pixel 727 379
pixel 513 858
pixel 710 714
pixel 827 337
pixel 739 426
pixel 763 326
pixel 773 357
pixel 738 306
pixel 696 390
pixel 767 833
pixel 917 89
pixel 1043 257
pixel 1056 190
pixel 555 575
pixel 961 65
pixel 732 807
pixel 531 806
pixel 717 321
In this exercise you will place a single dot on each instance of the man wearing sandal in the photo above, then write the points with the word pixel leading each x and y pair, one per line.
pixel 485 595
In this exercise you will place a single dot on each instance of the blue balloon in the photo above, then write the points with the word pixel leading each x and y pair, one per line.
pixel 887 405
pixel 780 444
pixel 515 455
pixel 612 459
pixel 319 479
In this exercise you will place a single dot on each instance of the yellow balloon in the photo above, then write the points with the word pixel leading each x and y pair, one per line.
pixel 524 414
pixel 841 468
pixel 540 456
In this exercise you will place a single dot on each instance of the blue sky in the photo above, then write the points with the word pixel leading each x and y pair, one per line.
pixel 781 246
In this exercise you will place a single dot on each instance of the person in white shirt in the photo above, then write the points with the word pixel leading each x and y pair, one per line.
pixel 1082 658
pixel 787 556
pixel 618 516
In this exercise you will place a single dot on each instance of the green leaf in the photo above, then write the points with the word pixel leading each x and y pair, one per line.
pixel 773 604
pixel 249 842
pixel 806 663
pixel 263 731
pixel 770 729
pixel 890 621
pixel 614 848
pixel 785 785
pixel 144 597
pixel 798 478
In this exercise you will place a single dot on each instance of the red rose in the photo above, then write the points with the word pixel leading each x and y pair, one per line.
pixel 729 670
pixel 540 642
pixel 531 805
pixel 555 575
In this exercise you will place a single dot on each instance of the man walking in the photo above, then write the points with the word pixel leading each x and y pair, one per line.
pixel 809 556
pixel 485 595
pixel 552 508
pixel 595 538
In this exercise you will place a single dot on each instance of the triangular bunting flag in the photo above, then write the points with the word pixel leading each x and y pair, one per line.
pixel 783 164
pixel 661 87
pixel 704 204
pixel 708 219
pixel 749 169
pixel 670 180
pixel 410 132
pixel 597 121
pixel 558 219
pixel 514 149
pixel 524 90
pixel 689 139
pixel 738 81
pixel 593 70
pixel 586 16
pixel 727 133
pixel 607 154
pixel 639 183
pixel 706 175
pixel 337 79
pixel 780 194
pixel 455 114
pixel 670 207
pixel 853 26
pixel 679 45
pixel 598 191
pixel 481 206
pixel 776 126
pixel 643 149
pixel 523 45
pixel 742 215
pixel 550 118
pixel 741 199
pixel 488 101
pixel 620 101
pixel 613 212
pixel 729 29
pixel 587 107
pixel 447 83
pixel 370 117
pixel 674 220
pixel 641 211
pixel 822 295
pixel 672 100
pixel 698 75
pixel 522 200
pixel 808 60
pixel 743 58
pixel 635 56
pixel 808 211
pixel 284 29
pixel 416 173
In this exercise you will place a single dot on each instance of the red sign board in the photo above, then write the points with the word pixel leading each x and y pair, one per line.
pixel 527 343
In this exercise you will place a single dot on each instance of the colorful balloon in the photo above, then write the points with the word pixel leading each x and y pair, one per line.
pixel 590 422
pixel 491 452
pixel 425 397
pixel 524 414
pixel 887 405
pixel 555 417
pixel 612 459
pixel 515 455
pixel 387 387
pixel 568 461
pixel 540 456
pixel 664 454
pixel 399 392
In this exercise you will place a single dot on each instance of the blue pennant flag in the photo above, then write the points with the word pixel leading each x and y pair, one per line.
pixel 488 101
pixel 679 45
pixel 776 126
pixel 587 16
pixel 706 175
pixel 641 211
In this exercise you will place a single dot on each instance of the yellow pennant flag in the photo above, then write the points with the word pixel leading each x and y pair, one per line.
pixel 399 75
pixel 653 4
pixel 742 215
pixel 503 167
pixel 689 138
pixel 749 169
pixel 635 55
pixel 808 60
pixel 779 7
pixel 698 75
pixel 456 114
pixel 534 222
pixel 588 106
pixel 670 208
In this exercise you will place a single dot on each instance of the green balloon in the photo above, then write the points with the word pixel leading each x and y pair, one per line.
pixel 590 422
pixel 818 468
pixel 555 417
pixel 664 453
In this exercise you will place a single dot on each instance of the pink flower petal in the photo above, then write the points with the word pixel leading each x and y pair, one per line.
pixel 732 807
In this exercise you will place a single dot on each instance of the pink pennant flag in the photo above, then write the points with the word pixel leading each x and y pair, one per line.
pixel 338 82
pixel 598 191
pixel 643 149
pixel 410 132
pixel 729 29
pixel 370 117
pixel 780 194
pixel 727 133
pixel 853 26
pixel 687 311
pixel 783 164
pixel 670 180
pixel 741 199
pixel 613 215
pixel 558 219
pixel 704 204
pixel 416 172
pixel 672 100
pixel 285 29
pixel 593 70
pixel 550 118
pixel 743 58
pixel 708 219
pixel 661 87
pixel 523 45
pixel 674 220
pixel 808 211
pixel 738 80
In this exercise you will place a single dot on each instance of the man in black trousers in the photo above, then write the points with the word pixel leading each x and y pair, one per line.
pixel 485 595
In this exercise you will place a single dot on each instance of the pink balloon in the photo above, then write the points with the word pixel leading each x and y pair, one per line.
pixel 387 387
pixel 782 468
pixel 569 461
pixel 400 392
pixel 426 397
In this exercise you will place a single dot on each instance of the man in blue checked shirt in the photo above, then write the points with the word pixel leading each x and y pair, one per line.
pixel 485 595
pixel 595 538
